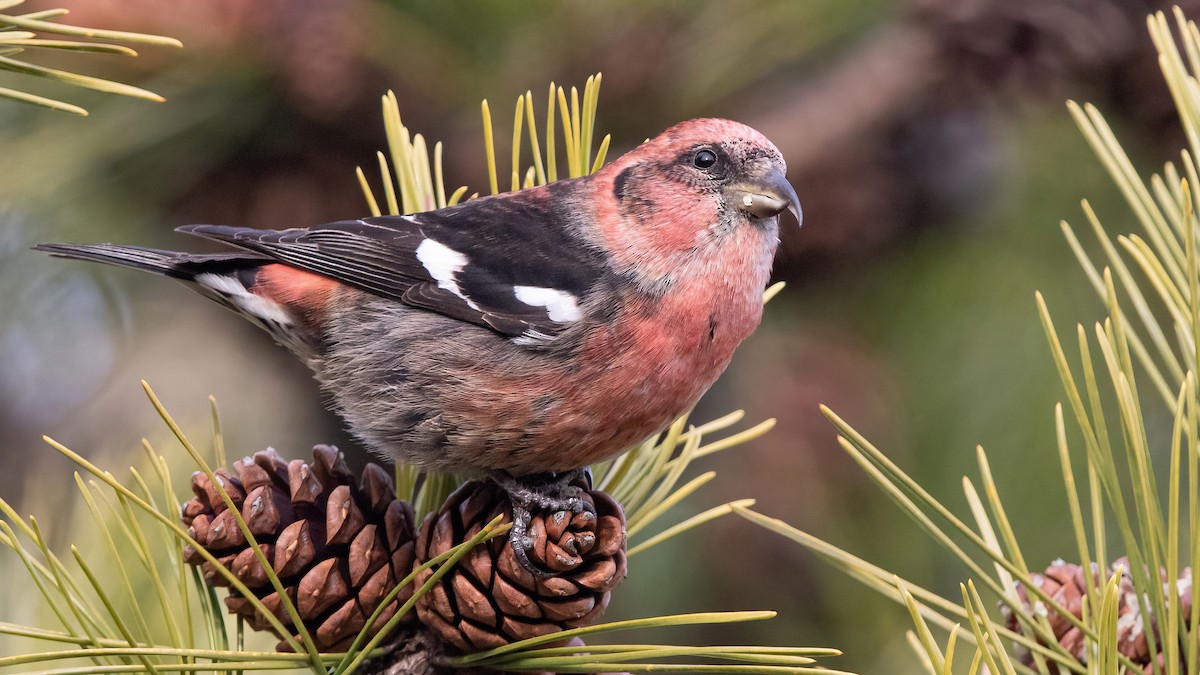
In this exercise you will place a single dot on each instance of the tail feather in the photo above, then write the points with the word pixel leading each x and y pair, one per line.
pixel 230 279
pixel 175 264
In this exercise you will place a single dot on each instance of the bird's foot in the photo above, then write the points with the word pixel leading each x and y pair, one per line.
pixel 552 492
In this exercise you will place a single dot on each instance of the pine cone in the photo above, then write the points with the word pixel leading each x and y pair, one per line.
pixel 1065 583
pixel 489 599
pixel 337 546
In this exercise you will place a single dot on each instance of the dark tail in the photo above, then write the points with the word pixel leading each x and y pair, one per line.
pixel 173 264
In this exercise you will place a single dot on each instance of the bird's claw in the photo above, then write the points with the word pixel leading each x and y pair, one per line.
pixel 554 493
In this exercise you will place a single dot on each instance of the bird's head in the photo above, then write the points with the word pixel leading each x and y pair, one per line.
pixel 693 187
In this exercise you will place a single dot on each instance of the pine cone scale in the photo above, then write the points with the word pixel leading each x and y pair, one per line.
pixel 304 486
pixel 397 525
pixel 320 588
pixel 343 518
pixel 479 637
pixel 559 587
pixel 473 603
pixel 295 549
pixel 210 574
pixel 569 610
pixel 377 587
pixel 514 602
pixel 366 555
pixel 246 568
pixel 604 573
pixel 258 520
pixel 344 623
pixel 224 533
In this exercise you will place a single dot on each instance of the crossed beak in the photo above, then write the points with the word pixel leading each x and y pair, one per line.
pixel 767 196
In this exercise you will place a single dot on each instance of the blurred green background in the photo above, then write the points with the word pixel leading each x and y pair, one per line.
pixel 927 140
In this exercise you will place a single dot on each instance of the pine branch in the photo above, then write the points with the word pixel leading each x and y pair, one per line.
pixel 22 32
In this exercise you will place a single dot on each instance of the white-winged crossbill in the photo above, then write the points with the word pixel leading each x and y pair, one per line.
pixel 533 331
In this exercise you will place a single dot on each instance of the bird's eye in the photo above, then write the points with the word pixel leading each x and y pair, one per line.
pixel 705 159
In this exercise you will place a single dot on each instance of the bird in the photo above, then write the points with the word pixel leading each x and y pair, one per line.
pixel 523 335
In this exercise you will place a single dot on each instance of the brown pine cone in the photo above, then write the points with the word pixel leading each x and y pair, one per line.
pixel 489 599
pixel 338 546
pixel 1065 583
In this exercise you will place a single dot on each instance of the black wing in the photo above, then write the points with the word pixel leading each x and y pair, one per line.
pixel 512 264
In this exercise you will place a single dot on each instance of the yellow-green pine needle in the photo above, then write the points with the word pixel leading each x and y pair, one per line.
pixel 1193 269
pixel 65 29
pixel 534 146
pixel 148 561
pixel 174 546
pixel 490 148
pixel 213 608
pixel 70 46
pixel 221 659
pixel 50 103
pixel 458 195
pixel 56 583
pixel 690 523
pixel 570 144
pixel 389 192
pixel 439 182
pixel 372 205
pixel 936 660
pixel 218 435
pixel 934 607
pixel 480 659
pixel 112 610
pixel 731 441
pixel 551 157
pixel 402 150
pixel 1173 615
pixel 666 478
pixel 1193 517
pixel 424 195
pixel 51 636
pixel 590 94
pixel 993 638
pixel 1145 314
pixel 899 486
pixel 54 572
pixel 579 162
pixel 43 15
pixel 1077 523
pixel 85 81
pixel 406 481
pixel 657 509
pixel 114 555
pixel 84 611
pixel 518 119
pixel 601 153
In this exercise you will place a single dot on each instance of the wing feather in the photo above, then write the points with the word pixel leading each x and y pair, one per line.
pixel 495 246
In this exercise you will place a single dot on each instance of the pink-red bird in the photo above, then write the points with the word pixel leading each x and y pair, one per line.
pixel 528 332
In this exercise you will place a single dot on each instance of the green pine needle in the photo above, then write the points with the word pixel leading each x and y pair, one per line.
pixel 14 42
